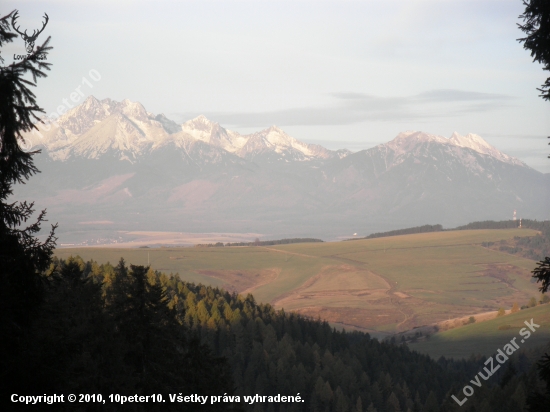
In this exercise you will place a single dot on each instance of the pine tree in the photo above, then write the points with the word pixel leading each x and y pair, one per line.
pixel 359 405
pixel 72 347
pixel 147 326
pixel 23 257
pixel 431 403
pixel 392 404
pixel 341 403
pixel 371 408
pixel 540 401
pixel 542 274
pixel 536 25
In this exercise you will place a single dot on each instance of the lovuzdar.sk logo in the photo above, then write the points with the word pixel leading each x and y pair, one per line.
pixel 29 40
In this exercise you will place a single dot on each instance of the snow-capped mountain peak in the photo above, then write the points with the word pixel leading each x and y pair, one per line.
pixel 471 141
pixel 406 142
pixel 477 143
pixel 275 140
pixel 81 118
pixel 200 127
pixel 134 110
pixel 201 119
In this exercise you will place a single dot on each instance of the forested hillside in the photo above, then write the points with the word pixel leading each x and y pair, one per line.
pixel 408 231
pixel 112 332
pixel 533 247
pixel 259 242
pixel 108 329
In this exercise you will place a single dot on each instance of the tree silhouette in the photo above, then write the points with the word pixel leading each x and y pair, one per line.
pixel 536 25
pixel 22 256
pixel 540 401
pixel 542 274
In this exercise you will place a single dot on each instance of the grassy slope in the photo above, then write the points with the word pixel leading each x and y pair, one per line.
pixel 485 337
pixel 442 272
pixel 428 277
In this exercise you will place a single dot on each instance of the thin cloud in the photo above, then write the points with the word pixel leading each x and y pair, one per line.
pixel 453 95
pixel 351 108
pixel 483 107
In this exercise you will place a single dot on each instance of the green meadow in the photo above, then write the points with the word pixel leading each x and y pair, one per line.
pixel 486 337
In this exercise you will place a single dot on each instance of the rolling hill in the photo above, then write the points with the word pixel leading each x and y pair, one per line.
pixel 382 285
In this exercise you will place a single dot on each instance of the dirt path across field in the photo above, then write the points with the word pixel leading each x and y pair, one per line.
pixel 289 253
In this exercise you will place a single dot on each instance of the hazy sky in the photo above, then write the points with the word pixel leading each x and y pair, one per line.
pixel 340 73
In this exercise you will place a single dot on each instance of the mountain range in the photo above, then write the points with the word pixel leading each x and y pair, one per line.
pixel 126 130
pixel 113 165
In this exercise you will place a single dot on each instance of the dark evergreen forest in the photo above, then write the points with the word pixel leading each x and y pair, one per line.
pixel 132 330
